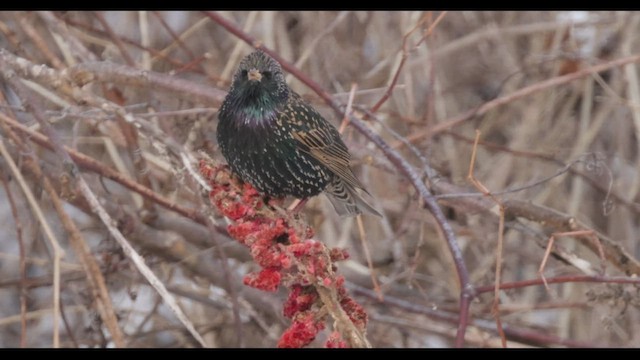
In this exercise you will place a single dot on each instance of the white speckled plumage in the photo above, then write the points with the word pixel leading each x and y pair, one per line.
pixel 280 144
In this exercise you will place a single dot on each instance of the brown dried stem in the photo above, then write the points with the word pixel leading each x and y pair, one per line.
pixel 522 93
pixel 77 180
pixel 23 265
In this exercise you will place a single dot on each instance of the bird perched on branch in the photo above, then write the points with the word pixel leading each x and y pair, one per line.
pixel 277 142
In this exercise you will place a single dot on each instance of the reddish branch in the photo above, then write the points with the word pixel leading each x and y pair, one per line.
pixel 405 55
pixel 91 164
pixel 283 246
pixel 561 280
pixel 524 335
pixel 521 93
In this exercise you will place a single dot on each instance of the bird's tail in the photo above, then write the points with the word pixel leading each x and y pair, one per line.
pixel 346 199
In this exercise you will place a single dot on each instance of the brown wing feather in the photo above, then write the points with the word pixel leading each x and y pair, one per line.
pixel 322 146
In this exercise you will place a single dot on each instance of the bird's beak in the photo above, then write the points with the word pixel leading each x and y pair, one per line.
pixel 254 74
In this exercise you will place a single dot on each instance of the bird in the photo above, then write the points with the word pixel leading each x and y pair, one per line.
pixel 276 141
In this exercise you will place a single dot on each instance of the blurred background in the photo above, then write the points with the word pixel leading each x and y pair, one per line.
pixel 567 149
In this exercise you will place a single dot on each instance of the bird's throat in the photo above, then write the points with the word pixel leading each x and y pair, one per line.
pixel 255 111
pixel 253 118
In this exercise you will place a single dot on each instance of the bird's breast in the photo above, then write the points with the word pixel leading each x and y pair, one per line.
pixel 269 158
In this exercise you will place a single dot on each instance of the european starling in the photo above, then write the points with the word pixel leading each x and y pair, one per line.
pixel 277 142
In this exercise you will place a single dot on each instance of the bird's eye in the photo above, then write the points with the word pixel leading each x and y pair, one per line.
pixel 267 74
pixel 244 73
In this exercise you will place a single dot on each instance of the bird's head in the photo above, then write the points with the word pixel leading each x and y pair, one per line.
pixel 259 82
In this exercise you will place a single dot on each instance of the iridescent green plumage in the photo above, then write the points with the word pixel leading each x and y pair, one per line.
pixel 276 141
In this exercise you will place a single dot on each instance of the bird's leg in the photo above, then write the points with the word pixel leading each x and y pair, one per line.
pixel 297 205
pixel 273 202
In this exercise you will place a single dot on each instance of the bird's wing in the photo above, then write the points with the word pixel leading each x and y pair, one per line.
pixel 325 146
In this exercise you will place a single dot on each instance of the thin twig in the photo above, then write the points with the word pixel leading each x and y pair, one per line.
pixel 143 23
pixel 58 252
pixel 95 279
pixel 348 109
pixel 405 55
pixel 310 47
pixel 125 75
pixel 228 277
pixel 89 163
pixel 495 307
pixel 518 94
pixel 116 39
pixel 513 332
pixel 38 314
pixel 367 255
pixel 38 41
pixel 23 264
pixel 94 276
pixel 77 47
pixel 156 53
pixel 137 260
pixel 97 209
pixel 173 35
pixel 162 54
pixel 237 49
pixel 561 280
